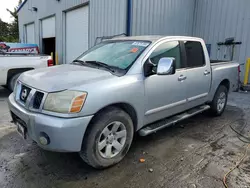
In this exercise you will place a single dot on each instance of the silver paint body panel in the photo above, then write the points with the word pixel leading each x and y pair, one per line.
pixel 153 98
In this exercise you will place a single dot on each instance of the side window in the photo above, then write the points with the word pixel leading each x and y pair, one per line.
pixel 194 54
pixel 168 49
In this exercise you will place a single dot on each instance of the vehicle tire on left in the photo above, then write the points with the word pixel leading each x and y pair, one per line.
pixel 108 138
pixel 12 81
pixel 219 102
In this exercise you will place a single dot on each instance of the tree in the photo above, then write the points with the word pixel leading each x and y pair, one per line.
pixel 10 32
pixel 4 31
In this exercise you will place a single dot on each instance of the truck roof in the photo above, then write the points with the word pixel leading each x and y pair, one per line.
pixel 154 38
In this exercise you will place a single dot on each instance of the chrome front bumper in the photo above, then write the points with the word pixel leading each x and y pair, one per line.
pixel 65 134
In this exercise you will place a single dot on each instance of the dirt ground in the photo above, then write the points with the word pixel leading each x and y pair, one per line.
pixel 193 154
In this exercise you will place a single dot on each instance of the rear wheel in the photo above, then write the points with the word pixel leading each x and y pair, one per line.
pixel 108 139
pixel 219 102
pixel 12 81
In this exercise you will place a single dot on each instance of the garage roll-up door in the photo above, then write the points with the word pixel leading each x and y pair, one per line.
pixel 76 32
pixel 48 27
pixel 30 33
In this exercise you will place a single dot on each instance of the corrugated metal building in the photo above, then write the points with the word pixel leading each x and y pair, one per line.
pixel 162 17
pixel 75 25
pixel 216 20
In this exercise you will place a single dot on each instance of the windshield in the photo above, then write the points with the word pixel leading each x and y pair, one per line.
pixel 121 54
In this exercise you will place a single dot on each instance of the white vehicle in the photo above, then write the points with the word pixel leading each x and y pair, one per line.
pixel 13 64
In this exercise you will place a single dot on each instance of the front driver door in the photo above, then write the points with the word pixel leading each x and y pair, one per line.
pixel 165 94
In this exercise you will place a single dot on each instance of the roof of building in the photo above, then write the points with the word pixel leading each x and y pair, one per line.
pixel 19 8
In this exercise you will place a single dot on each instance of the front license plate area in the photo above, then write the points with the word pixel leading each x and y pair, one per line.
pixel 22 130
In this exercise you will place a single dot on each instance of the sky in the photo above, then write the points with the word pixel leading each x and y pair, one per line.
pixel 4 14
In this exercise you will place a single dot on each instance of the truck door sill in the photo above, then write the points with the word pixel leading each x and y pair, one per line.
pixel 154 127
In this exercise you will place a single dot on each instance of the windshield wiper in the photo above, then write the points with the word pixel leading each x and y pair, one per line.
pixel 101 64
pixel 97 63
pixel 79 61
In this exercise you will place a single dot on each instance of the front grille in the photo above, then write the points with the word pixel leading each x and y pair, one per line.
pixel 24 94
pixel 38 100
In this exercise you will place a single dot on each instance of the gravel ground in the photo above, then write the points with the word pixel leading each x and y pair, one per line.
pixel 194 153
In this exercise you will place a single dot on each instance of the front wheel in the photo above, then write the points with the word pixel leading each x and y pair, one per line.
pixel 219 102
pixel 108 139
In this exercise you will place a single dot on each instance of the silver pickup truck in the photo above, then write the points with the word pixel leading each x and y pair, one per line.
pixel 97 103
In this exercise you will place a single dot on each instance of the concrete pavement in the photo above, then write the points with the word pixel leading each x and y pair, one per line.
pixel 194 153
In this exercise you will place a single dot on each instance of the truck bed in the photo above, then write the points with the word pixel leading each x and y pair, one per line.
pixel 222 70
pixel 18 63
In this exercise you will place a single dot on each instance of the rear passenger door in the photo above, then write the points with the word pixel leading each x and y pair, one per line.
pixel 198 73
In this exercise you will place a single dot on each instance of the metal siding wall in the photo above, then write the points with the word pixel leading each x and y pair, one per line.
pixel 107 18
pixel 47 8
pixel 213 20
pixel 48 27
pixel 30 33
pixel 217 20
pixel 163 17
pixel 77 37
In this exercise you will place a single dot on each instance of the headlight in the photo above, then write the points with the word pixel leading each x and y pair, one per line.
pixel 65 101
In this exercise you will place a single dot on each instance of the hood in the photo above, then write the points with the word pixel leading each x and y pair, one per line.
pixel 63 77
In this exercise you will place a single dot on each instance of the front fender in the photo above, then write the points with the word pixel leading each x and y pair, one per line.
pixel 127 89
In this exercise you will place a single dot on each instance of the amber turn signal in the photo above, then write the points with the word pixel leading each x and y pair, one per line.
pixel 78 103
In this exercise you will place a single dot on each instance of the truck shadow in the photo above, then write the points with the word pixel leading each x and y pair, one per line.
pixel 68 170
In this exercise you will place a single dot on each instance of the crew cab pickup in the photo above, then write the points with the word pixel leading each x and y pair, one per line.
pixel 97 103
pixel 13 64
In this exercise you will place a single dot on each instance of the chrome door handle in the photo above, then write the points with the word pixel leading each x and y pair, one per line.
pixel 206 73
pixel 182 78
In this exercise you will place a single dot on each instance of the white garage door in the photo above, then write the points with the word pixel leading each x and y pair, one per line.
pixel 30 33
pixel 76 33
pixel 48 27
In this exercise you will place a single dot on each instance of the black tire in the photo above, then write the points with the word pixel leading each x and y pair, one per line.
pixel 90 153
pixel 12 81
pixel 215 110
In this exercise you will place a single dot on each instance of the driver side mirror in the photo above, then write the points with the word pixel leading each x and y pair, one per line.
pixel 166 66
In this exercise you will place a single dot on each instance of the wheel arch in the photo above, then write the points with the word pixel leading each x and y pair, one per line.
pixel 215 102
pixel 88 152
pixel 225 83
pixel 128 108
pixel 15 71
